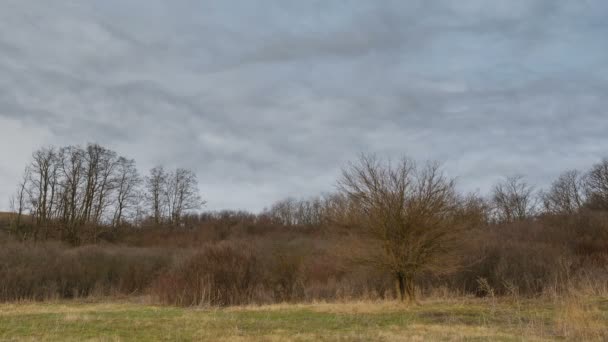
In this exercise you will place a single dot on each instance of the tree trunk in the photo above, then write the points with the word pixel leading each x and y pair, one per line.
pixel 406 288
pixel 401 286
pixel 410 288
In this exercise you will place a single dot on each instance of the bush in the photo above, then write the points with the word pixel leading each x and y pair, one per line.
pixel 217 275
pixel 233 261
pixel 52 270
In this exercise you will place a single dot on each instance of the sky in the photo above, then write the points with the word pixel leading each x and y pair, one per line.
pixel 268 99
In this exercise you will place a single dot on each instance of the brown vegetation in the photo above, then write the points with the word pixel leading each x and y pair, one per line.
pixel 392 231
pixel 413 215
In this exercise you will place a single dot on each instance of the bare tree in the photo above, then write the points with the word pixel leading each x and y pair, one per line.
pixel 566 194
pixel 282 211
pixel 73 187
pixel 475 210
pixel 91 161
pixel 127 186
pixel 72 167
pixel 171 195
pixel 182 194
pixel 156 183
pixel 100 164
pixel 43 182
pixel 596 186
pixel 19 202
pixel 339 210
pixel 412 213
pixel 106 184
pixel 307 212
pixel 513 200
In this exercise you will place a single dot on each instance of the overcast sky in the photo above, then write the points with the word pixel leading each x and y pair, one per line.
pixel 268 99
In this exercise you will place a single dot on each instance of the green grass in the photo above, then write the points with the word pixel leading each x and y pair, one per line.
pixel 465 319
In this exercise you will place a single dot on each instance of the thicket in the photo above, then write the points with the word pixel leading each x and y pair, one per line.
pixel 233 261
pixel 337 247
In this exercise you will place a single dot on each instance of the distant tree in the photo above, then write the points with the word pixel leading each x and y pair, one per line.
pixel 596 186
pixel 43 186
pixel 339 210
pixel 172 194
pixel 566 194
pixel 309 212
pixel 283 211
pixel 156 183
pixel 513 200
pixel 100 164
pixel 182 194
pixel 127 182
pixel 19 203
pixel 414 215
pixel 475 210
pixel 72 169
pixel 304 212
pixel 78 190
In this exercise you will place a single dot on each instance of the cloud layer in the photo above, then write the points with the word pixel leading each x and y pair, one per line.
pixel 268 99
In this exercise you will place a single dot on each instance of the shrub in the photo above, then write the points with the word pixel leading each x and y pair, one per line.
pixel 217 275
pixel 52 270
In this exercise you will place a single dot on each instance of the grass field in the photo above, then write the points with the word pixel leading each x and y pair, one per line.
pixel 464 319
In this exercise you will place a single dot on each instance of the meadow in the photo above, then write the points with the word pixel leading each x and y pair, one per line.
pixel 504 319
pixel 396 254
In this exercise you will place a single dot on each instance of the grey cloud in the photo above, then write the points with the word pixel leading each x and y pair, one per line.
pixel 269 99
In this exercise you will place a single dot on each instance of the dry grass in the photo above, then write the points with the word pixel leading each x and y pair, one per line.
pixel 582 320
pixel 575 318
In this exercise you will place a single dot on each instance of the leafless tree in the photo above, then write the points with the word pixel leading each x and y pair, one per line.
pixel 127 184
pixel 340 211
pixel 19 202
pixel 43 183
pixel 100 164
pixel 306 212
pixel 156 183
pixel 182 194
pixel 72 167
pixel 513 200
pixel 74 187
pixel 475 210
pixel 596 186
pixel 412 213
pixel 566 194
pixel 91 161
pixel 108 165
pixel 309 212
pixel 283 211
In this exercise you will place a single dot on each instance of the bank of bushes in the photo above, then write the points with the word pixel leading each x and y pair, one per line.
pixel 52 270
pixel 236 262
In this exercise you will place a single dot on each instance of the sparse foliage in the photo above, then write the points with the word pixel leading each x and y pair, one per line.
pixel 126 182
pixel 513 200
pixel 80 190
pixel 171 195
pixel 566 194
pixel 596 186
pixel 19 205
pixel 411 212
pixel 156 183
pixel 182 194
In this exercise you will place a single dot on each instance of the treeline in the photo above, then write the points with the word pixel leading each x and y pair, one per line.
pixel 92 186
pixel 510 200
pixel 393 229
pixel 71 192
